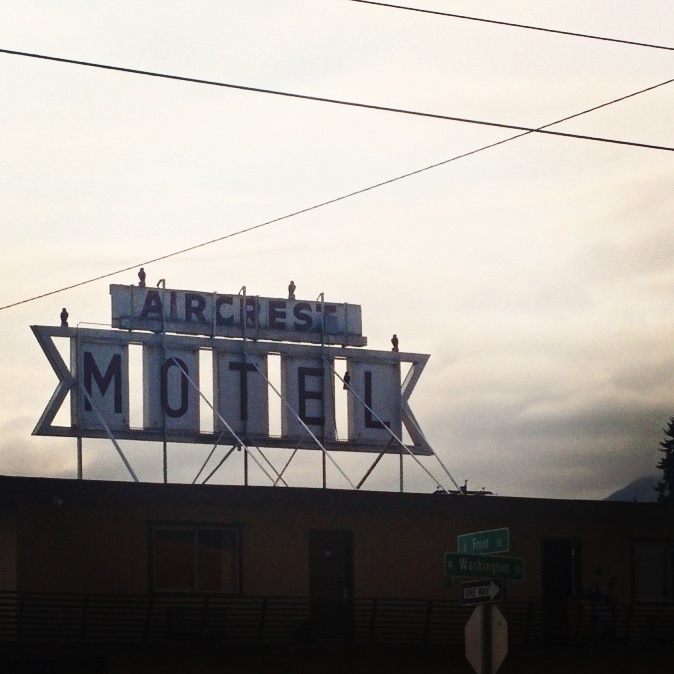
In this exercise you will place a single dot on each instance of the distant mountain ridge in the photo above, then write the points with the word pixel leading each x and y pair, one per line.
pixel 642 489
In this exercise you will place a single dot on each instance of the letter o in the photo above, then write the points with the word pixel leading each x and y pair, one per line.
pixel 175 412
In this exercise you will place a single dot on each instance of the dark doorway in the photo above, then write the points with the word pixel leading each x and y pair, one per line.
pixel 331 583
pixel 562 583
pixel 561 570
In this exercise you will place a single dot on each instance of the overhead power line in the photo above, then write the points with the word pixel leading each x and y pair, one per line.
pixel 510 24
pixel 329 201
pixel 335 101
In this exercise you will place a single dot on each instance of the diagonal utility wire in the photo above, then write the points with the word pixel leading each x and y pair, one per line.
pixel 334 200
pixel 510 24
pixel 336 101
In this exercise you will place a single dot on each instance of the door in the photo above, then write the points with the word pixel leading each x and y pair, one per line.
pixel 562 583
pixel 331 583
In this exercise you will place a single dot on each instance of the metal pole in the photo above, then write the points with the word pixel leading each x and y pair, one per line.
pixel 208 458
pixel 163 361
pixel 79 407
pixel 402 486
pixel 306 428
pixel 215 470
pixel 271 465
pixel 244 319
pixel 402 445
pixel 79 458
pixel 325 472
pixel 215 304
pixel 486 639
pixel 321 299
pixel 110 434
pixel 283 470
pixel 370 469
pixel 229 428
pixel 243 313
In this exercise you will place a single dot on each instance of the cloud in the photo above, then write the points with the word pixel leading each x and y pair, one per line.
pixel 538 274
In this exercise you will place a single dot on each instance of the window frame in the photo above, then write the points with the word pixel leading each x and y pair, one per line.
pixel 194 528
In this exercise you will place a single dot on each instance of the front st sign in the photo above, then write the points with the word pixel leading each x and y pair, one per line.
pixel 484 542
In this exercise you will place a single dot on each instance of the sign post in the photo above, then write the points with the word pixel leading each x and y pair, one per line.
pixel 486 632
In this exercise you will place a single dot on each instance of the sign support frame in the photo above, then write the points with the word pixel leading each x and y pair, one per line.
pixel 173 326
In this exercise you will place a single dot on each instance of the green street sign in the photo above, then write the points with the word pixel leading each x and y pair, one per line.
pixel 480 566
pixel 484 542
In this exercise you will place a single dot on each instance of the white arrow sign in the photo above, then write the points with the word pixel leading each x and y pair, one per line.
pixel 494 589
pixel 481 591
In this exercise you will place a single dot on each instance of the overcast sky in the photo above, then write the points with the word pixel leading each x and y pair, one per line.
pixel 539 274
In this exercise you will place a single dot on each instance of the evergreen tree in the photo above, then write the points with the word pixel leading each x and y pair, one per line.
pixel 665 486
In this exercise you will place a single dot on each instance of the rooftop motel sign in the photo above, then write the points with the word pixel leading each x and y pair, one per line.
pixel 172 327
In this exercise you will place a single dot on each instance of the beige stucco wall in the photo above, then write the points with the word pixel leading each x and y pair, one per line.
pixel 105 547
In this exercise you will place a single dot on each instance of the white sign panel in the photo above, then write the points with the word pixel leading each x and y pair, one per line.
pixel 377 407
pixel 307 386
pixel 374 402
pixel 199 313
pixel 102 371
pixel 241 393
pixel 475 647
pixel 170 399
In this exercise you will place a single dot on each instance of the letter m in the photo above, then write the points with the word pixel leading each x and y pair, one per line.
pixel 103 381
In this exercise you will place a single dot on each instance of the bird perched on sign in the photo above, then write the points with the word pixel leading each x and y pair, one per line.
pixel 64 318
pixel 291 290
pixel 394 341
pixel 141 278
pixel 346 380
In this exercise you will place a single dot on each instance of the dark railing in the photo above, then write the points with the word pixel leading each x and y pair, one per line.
pixel 96 619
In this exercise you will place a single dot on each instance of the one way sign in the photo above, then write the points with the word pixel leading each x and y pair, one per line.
pixel 484 591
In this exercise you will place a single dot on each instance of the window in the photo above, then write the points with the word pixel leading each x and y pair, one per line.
pixel 195 559
pixel 654 570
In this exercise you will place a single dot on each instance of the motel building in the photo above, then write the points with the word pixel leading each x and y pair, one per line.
pixel 126 576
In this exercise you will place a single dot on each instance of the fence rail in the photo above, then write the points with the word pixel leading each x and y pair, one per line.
pixel 93 619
